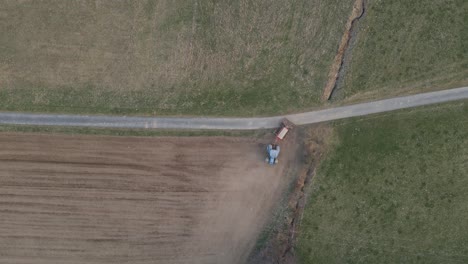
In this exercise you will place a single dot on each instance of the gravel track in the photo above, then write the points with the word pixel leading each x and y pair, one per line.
pixel 235 123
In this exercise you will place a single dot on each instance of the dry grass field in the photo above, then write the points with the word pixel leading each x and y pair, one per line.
pixel 238 57
pixel 101 199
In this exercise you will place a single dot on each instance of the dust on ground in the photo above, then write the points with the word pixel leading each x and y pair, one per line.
pixel 281 244
pixel 96 199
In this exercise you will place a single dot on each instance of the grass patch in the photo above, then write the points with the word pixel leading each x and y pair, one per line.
pixel 167 57
pixel 408 46
pixel 393 189
pixel 132 132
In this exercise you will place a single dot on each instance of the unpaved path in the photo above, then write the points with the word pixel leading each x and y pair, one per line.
pixel 236 123
pixel 91 199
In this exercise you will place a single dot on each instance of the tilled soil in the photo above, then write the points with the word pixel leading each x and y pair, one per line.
pixel 91 199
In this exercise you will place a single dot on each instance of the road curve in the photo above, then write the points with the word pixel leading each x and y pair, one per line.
pixel 235 123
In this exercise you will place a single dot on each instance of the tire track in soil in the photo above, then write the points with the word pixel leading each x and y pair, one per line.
pixel 358 12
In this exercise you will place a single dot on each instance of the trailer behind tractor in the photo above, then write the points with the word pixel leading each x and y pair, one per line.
pixel 273 149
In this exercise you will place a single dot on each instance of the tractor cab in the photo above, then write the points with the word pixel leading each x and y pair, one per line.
pixel 273 151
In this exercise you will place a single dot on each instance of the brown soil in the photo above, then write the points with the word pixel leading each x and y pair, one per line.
pixel 88 199
pixel 358 11
pixel 280 247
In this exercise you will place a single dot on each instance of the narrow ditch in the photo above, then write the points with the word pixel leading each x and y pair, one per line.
pixel 288 256
pixel 316 145
pixel 336 70
pixel 280 247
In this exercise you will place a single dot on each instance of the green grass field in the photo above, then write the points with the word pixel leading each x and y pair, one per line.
pixel 167 57
pixel 408 46
pixel 393 189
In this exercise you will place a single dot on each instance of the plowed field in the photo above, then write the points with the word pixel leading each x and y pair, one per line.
pixel 89 199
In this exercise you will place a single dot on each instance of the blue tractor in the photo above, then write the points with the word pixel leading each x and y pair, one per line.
pixel 273 151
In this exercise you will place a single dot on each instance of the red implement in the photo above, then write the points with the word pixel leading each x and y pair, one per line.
pixel 283 130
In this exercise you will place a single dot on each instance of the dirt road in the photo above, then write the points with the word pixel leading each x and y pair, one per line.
pixel 75 199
